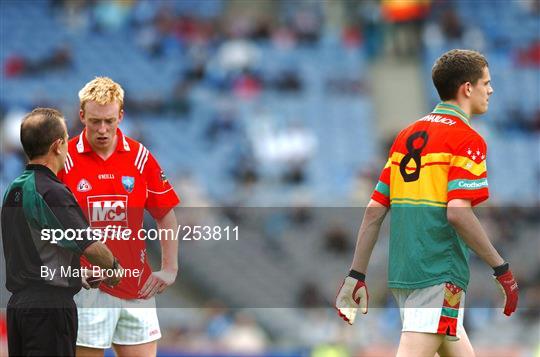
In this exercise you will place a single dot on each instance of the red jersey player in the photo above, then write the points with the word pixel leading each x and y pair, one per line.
pixel 115 178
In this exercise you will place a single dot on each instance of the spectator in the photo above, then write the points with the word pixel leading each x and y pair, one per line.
pixel 59 59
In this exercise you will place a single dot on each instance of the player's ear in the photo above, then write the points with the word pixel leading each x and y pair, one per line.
pixel 56 146
pixel 468 89
pixel 81 116
pixel 120 116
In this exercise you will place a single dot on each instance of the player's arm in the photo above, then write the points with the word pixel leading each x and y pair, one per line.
pixel 368 235
pixel 99 255
pixel 461 216
pixel 160 203
pixel 169 247
pixel 160 280
pixel 467 187
pixel 69 216
pixel 353 293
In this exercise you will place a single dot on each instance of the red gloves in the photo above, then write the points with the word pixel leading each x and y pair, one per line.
pixel 509 287
pixel 352 295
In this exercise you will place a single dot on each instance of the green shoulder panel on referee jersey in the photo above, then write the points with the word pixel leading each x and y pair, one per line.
pixel 383 188
pixel 467 184
pixel 450 109
pixel 8 190
pixel 425 249
pixel 37 212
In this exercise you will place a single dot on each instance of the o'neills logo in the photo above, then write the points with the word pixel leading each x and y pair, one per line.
pixel 438 119
pixel 472 184
pixel 84 186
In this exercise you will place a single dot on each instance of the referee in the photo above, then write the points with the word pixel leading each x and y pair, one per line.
pixel 41 313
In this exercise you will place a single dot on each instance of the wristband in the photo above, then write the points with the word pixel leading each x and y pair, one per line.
pixel 357 275
pixel 501 269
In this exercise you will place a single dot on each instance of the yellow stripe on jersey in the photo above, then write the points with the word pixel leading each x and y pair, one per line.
pixel 439 157
pixel 432 184
pixel 408 201
pixel 469 165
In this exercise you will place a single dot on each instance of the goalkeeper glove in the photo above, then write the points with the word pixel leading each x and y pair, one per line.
pixel 352 294
pixel 506 282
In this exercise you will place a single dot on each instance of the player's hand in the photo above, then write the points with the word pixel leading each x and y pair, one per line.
pixel 91 280
pixel 506 282
pixel 352 295
pixel 114 275
pixel 157 282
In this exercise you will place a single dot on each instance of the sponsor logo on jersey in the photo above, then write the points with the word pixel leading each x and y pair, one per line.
pixel 129 183
pixel 84 186
pixel 467 184
pixel 106 176
pixel 107 210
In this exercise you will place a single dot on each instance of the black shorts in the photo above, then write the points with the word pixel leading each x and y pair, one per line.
pixel 41 323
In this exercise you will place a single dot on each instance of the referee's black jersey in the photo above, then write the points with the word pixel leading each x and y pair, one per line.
pixel 34 201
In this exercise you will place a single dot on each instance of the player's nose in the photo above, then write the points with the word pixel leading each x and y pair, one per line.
pixel 102 129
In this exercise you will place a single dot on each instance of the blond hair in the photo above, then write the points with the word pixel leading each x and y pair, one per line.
pixel 102 90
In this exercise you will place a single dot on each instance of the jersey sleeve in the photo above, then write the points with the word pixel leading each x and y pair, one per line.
pixel 70 216
pixel 467 176
pixel 381 193
pixel 161 196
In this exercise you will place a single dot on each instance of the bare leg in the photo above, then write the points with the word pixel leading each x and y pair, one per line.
pixel 419 344
pixel 148 349
pixel 461 348
pixel 89 352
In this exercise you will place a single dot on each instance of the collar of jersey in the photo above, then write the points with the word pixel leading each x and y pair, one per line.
pixel 42 168
pixel 121 145
pixel 450 109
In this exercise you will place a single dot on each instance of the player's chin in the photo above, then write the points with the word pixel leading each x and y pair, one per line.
pixel 481 110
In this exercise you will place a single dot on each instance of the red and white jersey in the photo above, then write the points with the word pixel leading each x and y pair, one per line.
pixel 115 192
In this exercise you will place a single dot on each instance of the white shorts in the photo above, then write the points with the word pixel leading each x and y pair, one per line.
pixel 435 309
pixel 106 319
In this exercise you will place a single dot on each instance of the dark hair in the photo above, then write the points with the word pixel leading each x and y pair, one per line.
pixel 39 129
pixel 454 68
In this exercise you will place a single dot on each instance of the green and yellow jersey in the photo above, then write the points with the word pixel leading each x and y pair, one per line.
pixel 438 158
